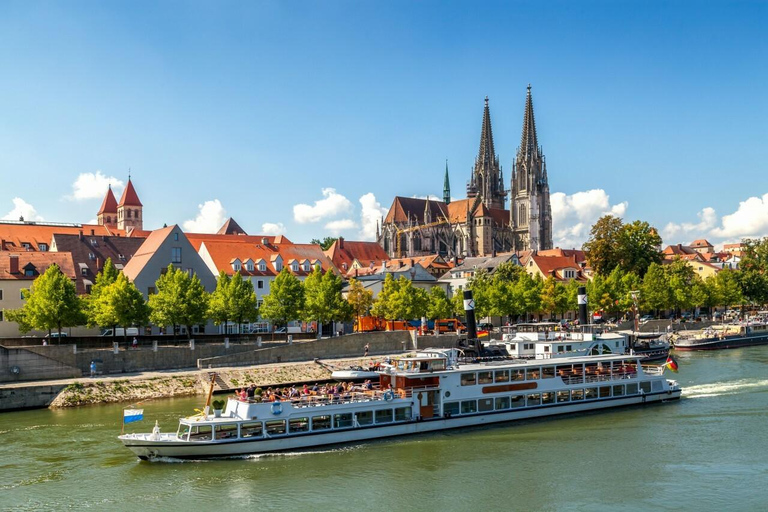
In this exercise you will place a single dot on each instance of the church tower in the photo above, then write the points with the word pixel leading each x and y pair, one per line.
pixel 129 210
pixel 487 180
pixel 530 211
pixel 446 186
pixel 107 215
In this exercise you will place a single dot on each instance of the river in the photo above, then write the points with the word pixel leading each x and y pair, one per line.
pixel 705 452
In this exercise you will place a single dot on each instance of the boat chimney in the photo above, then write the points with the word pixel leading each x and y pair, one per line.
pixel 469 310
pixel 583 305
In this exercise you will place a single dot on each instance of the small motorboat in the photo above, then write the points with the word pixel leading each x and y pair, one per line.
pixel 355 373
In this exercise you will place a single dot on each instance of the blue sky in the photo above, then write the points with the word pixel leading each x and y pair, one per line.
pixel 653 110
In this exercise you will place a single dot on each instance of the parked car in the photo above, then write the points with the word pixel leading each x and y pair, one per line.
pixel 485 326
pixel 645 318
pixel 56 335
pixel 121 331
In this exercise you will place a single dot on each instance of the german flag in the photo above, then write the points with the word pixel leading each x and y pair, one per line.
pixel 671 364
pixel 482 334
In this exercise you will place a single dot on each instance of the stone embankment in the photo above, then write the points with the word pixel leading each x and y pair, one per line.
pixel 166 385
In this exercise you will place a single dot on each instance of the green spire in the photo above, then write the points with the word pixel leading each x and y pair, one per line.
pixel 446 186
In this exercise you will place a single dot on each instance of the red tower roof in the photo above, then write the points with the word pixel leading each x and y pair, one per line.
pixel 130 197
pixel 109 205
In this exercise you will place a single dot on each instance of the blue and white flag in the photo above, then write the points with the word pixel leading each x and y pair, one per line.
pixel 131 415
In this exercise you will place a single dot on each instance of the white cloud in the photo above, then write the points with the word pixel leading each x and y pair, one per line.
pixel 371 213
pixel 272 228
pixel 21 208
pixel 573 215
pixel 210 218
pixel 337 226
pixel 332 204
pixel 89 185
pixel 707 221
pixel 750 219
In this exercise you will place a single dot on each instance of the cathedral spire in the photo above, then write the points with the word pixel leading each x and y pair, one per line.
pixel 485 182
pixel 528 141
pixel 446 186
pixel 487 154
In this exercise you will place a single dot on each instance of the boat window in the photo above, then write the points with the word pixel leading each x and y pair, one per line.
pixel 547 398
pixel 517 401
pixel 564 370
pixel 532 374
pixel 546 348
pixel 518 374
pixel 384 416
pixel 451 408
pixel 548 372
pixel 404 413
pixel 618 390
pixel 528 346
pixel 502 403
pixel 534 399
pixel 656 385
pixel 590 393
pixel 605 391
pixel 645 387
pixel 275 427
pixel 559 348
pixel 227 431
pixel 468 379
pixel 182 432
pixel 485 404
pixel 438 364
pixel 321 422
pixel 632 389
pixel 568 348
pixel 590 369
pixel 468 406
pixel 342 420
pixel 563 396
pixel 251 429
pixel 298 425
pixel 364 418
pixel 513 346
pixel 200 433
pixel 485 377
pixel 577 394
pixel 502 375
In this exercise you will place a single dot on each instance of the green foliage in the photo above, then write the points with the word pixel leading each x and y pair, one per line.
pixel 633 247
pixel 325 244
pixel 655 291
pixel 382 306
pixel 180 300
pixel 233 299
pixel 601 249
pixel 359 298
pixel 439 305
pixel 554 296
pixel 681 279
pixel 52 303
pixel 220 303
pixel 323 300
pixel 285 301
pixel 753 269
pixel 119 303
pixel 728 291
pixel 400 300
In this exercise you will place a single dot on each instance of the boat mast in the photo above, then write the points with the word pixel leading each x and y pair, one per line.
pixel 210 394
pixel 636 318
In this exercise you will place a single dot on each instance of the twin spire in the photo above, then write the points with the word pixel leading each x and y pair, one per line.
pixel 529 144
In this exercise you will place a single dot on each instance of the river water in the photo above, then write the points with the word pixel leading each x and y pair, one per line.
pixel 708 451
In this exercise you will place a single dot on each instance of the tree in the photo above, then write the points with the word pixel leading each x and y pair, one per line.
pixel 181 299
pixel 104 279
pixel 323 299
pixel 220 303
pixel 638 247
pixel 728 288
pixel 681 278
pixel 753 270
pixel 243 300
pixel 601 249
pixel 408 302
pixel 359 298
pixel 554 298
pixel 325 244
pixel 120 304
pixel 656 292
pixel 382 307
pixel 285 301
pixel 52 303
pixel 528 289
pixel 439 305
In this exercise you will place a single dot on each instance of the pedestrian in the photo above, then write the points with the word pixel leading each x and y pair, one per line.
pixel 93 369
pixel 135 343
pixel 367 348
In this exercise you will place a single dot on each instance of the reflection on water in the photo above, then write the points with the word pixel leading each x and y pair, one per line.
pixel 701 453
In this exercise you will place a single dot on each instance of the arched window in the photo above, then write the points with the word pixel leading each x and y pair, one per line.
pixel 136 213
pixel 129 213
pixel 417 243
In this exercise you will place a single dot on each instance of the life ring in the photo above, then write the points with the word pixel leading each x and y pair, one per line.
pixel 389 395
pixel 277 408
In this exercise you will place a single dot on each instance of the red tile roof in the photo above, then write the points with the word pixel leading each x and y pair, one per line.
pixel 144 253
pixel 550 265
pixel 223 252
pixel 196 239
pixel 14 234
pixel 129 197
pixel 109 205
pixel 40 260
pixel 345 252
pixel 700 243
pixel 231 227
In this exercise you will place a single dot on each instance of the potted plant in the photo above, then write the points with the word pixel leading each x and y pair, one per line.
pixel 218 406
pixel 257 394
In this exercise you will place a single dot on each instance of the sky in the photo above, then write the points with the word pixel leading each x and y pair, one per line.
pixel 308 118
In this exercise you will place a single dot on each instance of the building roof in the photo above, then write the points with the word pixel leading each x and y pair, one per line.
pixel 223 252
pixel 197 239
pixel 129 197
pixel 145 252
pixel 40 260
pixel 91 252
pixel 231 227
pixel 14 234
pixel 552 265
pixel 109 205
pixel 701 243
pixel 343 254
pixel 405 208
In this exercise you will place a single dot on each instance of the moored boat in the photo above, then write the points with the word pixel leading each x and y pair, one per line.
pixel 432 390
pixel 355 373
pixel 722 337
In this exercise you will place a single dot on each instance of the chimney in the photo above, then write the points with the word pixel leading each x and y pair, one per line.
pixel 2 245
pixel 80 234
pixel 14 262
pixel 341 242
pixel 93 232
pixel 98 264
pixel 265 241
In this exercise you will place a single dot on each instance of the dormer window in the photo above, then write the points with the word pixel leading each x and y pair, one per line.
pixel 262 266
pixel 306 266
pixel 27 246
pixel 42 247
pixel 236 265
pixel 121 257
pixel 91 256
pixel 249 266
pixel 94 242
pixel 278 266
pixel 295 266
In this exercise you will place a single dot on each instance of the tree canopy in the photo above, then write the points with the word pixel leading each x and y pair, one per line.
pixel 325 243
pixel 323 300
pixel 285 301
pixel 181 299
pixel 633 247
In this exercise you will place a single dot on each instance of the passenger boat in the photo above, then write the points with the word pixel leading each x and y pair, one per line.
pixel 722 336
pixel 541 340
pixel 431 390
pixel 354 373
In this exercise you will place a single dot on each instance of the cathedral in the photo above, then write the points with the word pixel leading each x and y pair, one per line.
pixel 481 224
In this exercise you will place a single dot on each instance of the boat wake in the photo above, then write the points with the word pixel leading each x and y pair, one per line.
pixel 255 456
pixel 723 388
